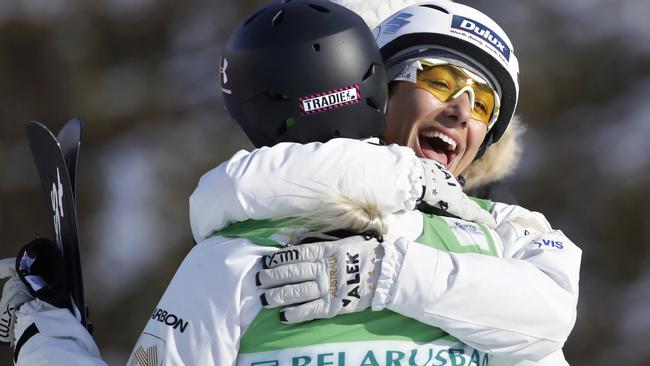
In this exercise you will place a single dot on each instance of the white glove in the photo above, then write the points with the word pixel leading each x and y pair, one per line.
pixel 443 192
pixel 325 278
pixel 14 294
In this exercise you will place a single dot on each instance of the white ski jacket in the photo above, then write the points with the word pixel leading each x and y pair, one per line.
pixel 528 294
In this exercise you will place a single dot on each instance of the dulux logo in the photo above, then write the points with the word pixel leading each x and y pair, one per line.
pixel 476 28
pixel 397 22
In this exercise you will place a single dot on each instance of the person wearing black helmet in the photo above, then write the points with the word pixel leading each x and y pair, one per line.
pixel 326 64
pixel 289 180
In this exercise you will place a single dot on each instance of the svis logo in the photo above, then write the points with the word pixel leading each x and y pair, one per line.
pixel 478 29
pixel 550 243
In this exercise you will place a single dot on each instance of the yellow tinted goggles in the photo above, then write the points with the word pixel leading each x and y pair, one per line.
pixel 446 82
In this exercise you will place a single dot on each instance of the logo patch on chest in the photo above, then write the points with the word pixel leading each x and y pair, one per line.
pixel 468 233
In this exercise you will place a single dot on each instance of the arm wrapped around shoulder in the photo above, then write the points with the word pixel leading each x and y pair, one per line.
pixel 296 180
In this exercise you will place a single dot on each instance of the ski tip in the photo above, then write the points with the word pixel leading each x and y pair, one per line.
pixel 80 123
pixel 76 121
pixel 34 124
pixel 35 128
pixel 71 130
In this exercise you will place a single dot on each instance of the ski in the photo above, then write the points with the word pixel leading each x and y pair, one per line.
pixel 56 162
pixel 69 139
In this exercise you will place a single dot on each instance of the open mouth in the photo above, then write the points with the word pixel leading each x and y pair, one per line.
pixel 438 146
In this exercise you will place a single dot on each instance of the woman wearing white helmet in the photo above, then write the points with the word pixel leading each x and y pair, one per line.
pixel 454 33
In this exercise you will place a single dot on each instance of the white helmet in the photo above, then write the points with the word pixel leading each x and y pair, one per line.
pixel 460 34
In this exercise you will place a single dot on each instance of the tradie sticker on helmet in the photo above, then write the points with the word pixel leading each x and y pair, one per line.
pixel 325 101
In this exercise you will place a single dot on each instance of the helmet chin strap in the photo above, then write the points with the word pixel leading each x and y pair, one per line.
pixel 461 180
pixel 487 142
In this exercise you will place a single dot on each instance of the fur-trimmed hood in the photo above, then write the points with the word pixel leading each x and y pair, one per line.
pixel 501 158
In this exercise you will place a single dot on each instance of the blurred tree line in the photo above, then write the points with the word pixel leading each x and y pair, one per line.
pixel 143 75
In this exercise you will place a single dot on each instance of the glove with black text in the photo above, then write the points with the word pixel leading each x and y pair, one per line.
pixel 325 278
pixel 14 294
pixel 444 194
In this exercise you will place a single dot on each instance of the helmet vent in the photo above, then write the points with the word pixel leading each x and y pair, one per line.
pixel 320 8
pixel 277 18
pixel 252 17
pixel 435 7
pixel 316 47
pixel 372 104
pixel 369 73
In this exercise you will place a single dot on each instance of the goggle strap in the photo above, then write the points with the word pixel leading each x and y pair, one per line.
pixel 409 73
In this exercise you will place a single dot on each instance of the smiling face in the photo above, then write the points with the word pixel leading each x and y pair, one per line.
pixel 442 131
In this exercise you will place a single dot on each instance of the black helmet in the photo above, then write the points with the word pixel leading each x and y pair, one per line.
pixel 304 71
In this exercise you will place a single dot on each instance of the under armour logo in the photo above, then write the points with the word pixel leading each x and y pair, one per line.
pixel 222 71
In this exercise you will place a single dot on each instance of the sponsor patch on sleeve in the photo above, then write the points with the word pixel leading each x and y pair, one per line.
pixel 331 99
